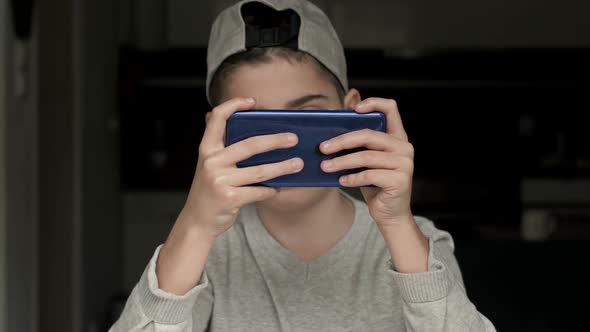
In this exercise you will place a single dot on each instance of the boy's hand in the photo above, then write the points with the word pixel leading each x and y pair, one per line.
pixel 216 196
pixel 219 187
pixel 390 159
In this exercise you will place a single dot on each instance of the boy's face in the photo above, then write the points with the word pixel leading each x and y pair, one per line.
pixel 281 84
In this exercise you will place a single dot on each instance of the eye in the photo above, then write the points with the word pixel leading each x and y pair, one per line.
pixel 311 107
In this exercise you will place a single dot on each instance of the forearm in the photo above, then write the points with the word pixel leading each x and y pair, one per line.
pixel 407 246
pixel 438 293
pixel 183 256
pixel 149 308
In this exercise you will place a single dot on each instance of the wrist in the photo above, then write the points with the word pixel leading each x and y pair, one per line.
pixel 408 247
pixel 196 235
pixel 403 228
pixel 195 228
pixel 183 256
pixel 393 223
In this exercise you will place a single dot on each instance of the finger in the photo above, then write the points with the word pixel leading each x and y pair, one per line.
pixel 215 129
pixel 386 179
pixel 368 159
pixel 256 174
pixel 254 194
pixel 371 139
pixel 257 144
pixel 389 107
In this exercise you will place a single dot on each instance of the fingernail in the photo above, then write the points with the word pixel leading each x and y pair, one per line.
pixel 328 164
pixel 297 163
pixel 360 105
pixel 250 100
pixel 326 145
pixel 344 178
pixel 292 138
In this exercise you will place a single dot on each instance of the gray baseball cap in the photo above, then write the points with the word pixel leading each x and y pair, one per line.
pixel 297 24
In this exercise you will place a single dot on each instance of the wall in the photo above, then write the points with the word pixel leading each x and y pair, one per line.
pixel 3 21
pixel 79 186
pixel 501 23
pixel 97 152
pixel 20 182
pixel 392 23
pixel 61 170
pixel 57 176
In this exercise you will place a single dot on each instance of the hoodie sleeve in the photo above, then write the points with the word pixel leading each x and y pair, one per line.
pixel 436 300
pixel 149 308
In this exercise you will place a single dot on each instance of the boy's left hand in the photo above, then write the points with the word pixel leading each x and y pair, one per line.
pixel 390 161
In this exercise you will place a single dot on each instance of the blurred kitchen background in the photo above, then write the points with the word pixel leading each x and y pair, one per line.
pixel 102 108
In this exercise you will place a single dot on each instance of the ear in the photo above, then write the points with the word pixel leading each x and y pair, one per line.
pixel 352 98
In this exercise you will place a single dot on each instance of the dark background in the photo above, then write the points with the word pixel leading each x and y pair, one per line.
pixel 102 109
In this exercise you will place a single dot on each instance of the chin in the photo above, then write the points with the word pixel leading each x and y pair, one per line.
pixel 295 199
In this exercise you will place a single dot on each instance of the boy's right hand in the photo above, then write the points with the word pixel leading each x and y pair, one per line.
pixel 218 191
pixel 219 187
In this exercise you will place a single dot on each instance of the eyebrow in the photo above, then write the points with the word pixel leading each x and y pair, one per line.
pixel 302 100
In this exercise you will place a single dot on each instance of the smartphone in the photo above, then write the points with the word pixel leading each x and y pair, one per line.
pixel 312 127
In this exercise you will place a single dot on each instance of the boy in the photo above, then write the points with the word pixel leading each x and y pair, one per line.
pixel 252 258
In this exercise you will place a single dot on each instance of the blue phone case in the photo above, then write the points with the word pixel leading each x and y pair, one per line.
pixel 312 127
